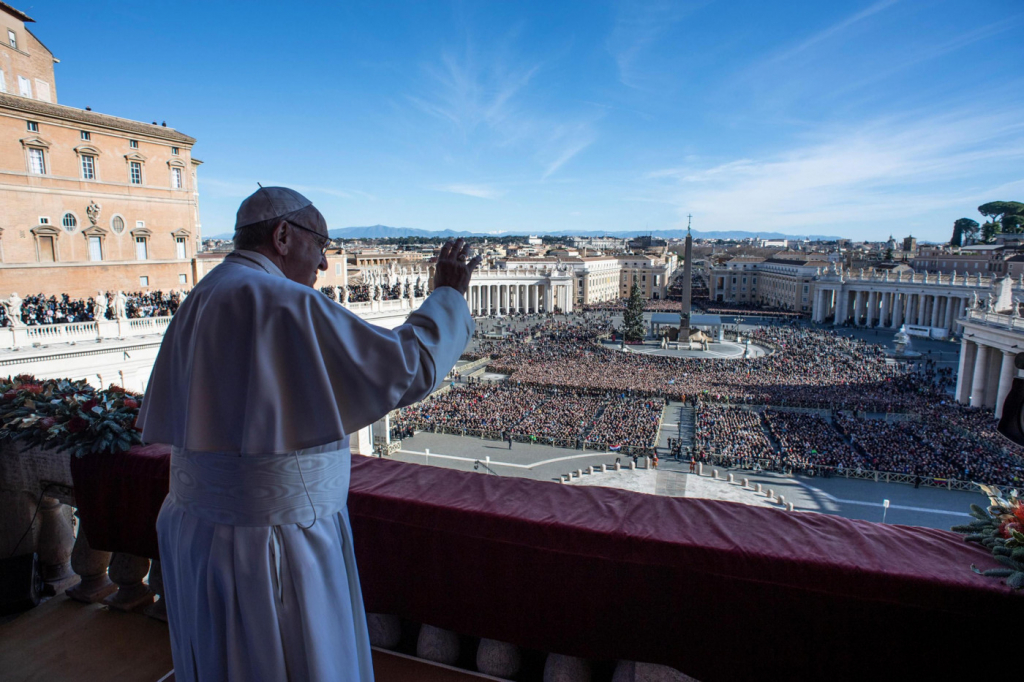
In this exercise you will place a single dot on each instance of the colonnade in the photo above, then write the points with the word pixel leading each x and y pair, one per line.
pixel 985 375
pixel 891 309
pixel 503 299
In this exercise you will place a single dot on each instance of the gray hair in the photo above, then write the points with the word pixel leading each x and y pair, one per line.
pixel 254 236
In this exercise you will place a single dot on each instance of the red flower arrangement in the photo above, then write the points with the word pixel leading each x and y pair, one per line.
pixel 68 415
pixel 1000 528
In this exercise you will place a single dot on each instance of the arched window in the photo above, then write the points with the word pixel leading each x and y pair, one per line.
pixel 117 224
pixel 70 222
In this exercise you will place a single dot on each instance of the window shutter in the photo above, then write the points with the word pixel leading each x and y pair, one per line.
pixel 3 82
pixel 24 86
pixel 42 90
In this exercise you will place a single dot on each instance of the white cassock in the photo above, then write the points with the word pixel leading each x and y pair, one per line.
pixel 258 384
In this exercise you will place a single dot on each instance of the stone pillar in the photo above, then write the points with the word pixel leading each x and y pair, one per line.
pixel 980 374
pixel 897 310
pixel 922 303
pixel 883 316
pixel 872 308
pixel 1007 371
pixel 858 302
pixel 965 372
pixel 818 304
pixel 949 323
pixel 936 310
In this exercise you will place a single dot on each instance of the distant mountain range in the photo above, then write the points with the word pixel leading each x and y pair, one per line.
pixel 383 232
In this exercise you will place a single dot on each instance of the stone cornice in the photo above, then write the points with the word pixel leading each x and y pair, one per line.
pixel 31 106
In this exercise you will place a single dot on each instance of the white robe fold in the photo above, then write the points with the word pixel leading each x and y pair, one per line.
pixel 257 385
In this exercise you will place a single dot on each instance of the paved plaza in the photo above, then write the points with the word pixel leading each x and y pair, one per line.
pixel 850 498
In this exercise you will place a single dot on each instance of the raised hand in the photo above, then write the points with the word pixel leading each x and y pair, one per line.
pixel 454 267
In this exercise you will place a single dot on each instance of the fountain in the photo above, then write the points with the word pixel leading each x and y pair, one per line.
pixel 903 349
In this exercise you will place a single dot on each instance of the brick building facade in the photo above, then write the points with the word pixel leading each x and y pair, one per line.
pixel 90 201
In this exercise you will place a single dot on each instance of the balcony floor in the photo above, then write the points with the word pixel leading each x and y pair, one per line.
pixel 65 641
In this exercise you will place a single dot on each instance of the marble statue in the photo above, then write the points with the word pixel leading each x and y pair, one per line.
pixel 99 308
pixel 120 306
pixel 12 306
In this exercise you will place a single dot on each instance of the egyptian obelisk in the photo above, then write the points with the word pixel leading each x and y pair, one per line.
pixel 684 313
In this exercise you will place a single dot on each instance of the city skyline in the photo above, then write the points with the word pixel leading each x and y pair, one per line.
pixel 610 117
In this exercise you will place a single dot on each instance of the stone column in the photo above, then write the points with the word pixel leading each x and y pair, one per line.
pixel 883 314
pixel 897 310
pixel 979 376
pixel 936 310
pixel 818 298
pixel 950 322
pixel 858 302
pixel 1007 371
pixel 992 380
pixel 55 544
pixel 872 306
pixel 965 373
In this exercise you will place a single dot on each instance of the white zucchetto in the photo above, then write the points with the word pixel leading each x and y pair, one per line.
pixel 268 203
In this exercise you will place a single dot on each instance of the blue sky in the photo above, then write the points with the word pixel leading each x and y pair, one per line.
pixel 855 118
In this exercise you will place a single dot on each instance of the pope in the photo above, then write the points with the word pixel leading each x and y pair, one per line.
pixel 259 383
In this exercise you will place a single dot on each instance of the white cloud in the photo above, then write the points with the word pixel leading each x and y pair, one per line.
pixel 889 170
pixel 478 191
pixel 833 30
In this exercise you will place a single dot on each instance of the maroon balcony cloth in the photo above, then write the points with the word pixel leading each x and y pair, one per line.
pixel 719 590
pixel 119 497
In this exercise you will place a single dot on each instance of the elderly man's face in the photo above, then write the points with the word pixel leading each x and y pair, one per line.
pixel 305 250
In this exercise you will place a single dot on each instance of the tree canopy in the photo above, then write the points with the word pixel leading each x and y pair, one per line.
pixel 965 230
pixel 1004 217
pixel 633 318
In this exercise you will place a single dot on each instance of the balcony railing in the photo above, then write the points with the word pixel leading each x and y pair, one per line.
pixel 719 590
pixel 995 319
pixel 22 337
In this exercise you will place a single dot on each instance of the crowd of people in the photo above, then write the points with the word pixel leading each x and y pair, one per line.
pixel 527 413
pixel 39 309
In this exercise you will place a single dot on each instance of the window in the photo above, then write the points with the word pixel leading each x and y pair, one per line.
pixel 134 144
pixel 33 127
pixel 69 221
pixel 174 151
pixel 3 81
pixel 43 220
pixel 136 173
pixel 12 39
pixel 179 246
pixel 86 135
pixel 46 250
pixel 143 281
pixel 24 86
pixel 182 279
pixel 141 253
pixel 337 269
pixel 117 224
pixel 88 167
pixel 36 161
pixel 95 249
pixel 42 90
pixel 176 178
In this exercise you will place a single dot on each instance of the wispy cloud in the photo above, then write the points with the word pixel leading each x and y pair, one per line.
pixel 478 191
pixel 638 27
pixel 566 142
pixel 833 30
pixel 888 170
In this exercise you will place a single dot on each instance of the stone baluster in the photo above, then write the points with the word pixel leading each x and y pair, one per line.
pixel 435 644
pixel 55 544
pixel 385 630
pixel 91 565
pixel 499 659
pixel 128 571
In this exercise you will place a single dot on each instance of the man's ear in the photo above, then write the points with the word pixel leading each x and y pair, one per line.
pixel 280 238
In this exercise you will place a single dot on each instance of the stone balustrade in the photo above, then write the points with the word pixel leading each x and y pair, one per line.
pixel 20 337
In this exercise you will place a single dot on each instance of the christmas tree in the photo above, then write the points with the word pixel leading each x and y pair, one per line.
pixel 633 319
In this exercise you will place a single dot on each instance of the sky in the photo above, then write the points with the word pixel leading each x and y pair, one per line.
pixel 852 118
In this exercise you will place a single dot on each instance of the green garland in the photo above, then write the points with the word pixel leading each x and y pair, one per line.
pixel 58 414
pixel 1000 528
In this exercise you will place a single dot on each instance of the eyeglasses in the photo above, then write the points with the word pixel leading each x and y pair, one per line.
pixel 322 242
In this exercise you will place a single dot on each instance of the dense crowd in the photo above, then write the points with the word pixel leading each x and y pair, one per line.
pixel 38 309
pixel 805 368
